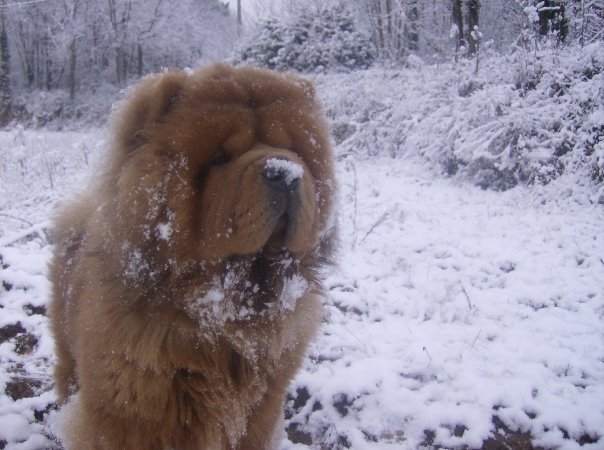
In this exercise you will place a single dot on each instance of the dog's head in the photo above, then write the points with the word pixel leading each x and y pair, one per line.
pixel 221 162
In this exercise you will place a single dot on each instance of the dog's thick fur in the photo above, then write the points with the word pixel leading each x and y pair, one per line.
pixel 187 279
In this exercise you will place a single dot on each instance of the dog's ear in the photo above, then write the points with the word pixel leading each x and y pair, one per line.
pixel 147 105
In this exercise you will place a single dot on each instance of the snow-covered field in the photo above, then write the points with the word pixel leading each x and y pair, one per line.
pixel 456 309
pixel 455 313
pixel 37 168
pixel 457 317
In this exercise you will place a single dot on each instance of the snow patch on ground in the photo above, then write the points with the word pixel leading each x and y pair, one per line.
pixel 26 347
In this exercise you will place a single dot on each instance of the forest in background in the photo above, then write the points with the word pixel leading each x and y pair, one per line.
pixel 64 61
pixel 73 52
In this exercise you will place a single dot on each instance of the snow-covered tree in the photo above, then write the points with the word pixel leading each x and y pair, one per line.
pixel 586 20
pixel 473 13
pixel 387 20
pixel 501 22
pixel 464 29
pixel 317 38
pixel 457 30
pixel 440 28
pixel 73 44
pixel 552 18
pixel 413 25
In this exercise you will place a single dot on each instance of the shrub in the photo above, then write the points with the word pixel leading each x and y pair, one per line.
pixel 319 39
pixel 484 128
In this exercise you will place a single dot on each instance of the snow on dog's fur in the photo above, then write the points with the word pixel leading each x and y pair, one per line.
pixel 186 280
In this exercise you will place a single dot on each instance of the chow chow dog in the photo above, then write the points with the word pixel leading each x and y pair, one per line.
pixel 187 279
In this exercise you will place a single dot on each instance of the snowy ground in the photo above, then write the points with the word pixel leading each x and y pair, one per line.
pixel 456 316
pixel 456 309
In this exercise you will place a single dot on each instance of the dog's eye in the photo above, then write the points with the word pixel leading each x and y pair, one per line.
pixel 220 159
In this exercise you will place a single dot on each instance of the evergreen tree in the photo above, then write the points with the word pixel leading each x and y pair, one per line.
pixel 265 47
pixel 308 40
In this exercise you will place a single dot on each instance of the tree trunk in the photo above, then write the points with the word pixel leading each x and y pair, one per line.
pixel 5 92
pixel 413 26
pixel 118 25
pixel 473 7
pixel 552 19
pixel 381 34
pixel 545 16
pixel 72 69
pixel 139 60
pixel 120 65
pixel 71 74
pixel 378 27
pixel 457 17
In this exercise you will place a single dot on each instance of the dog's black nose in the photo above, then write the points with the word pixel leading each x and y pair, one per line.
pixel 281 174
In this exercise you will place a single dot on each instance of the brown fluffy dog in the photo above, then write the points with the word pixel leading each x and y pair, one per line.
pixel 187 279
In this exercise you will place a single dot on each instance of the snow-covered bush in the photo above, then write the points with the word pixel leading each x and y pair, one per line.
pixel 544 128
pixel 487 128
pixel 308 40
pixel 54 109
